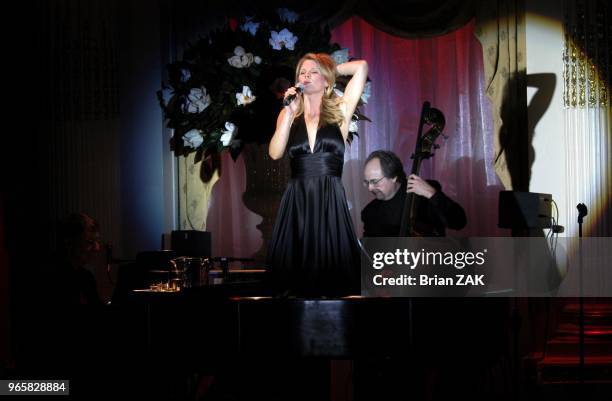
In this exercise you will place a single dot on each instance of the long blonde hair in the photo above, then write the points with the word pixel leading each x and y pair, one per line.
pixel 330 112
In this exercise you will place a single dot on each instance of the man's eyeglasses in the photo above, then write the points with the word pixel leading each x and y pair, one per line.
pixel 373 182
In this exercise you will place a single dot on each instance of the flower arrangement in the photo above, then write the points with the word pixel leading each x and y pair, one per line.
pixel 228 88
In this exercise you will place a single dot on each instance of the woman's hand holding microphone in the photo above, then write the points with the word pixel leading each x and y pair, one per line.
pixel 289 101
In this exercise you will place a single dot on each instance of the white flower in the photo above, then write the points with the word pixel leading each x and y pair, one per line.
pixel 245 97
pixel 257 60
pixel 340 56
pixel 228 134
pixel 167 94
pixel 185 74
pixel 282 38
pixel 367 92
pixel 234 61
pixel 250 26
pixel 353 127
pixel 247 59
pixel 239 51
pixel 365 95
pixel 197 100
pixel 241 59
pixel 287 15
pixel 193 138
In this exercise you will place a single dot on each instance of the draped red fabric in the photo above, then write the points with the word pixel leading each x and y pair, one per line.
pixel 448 72
pixel 445 70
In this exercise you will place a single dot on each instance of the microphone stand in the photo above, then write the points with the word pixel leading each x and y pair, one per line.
pixel 582 211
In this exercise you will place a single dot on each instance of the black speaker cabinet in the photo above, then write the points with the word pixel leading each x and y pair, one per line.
pixel 524 210
pixel 191 243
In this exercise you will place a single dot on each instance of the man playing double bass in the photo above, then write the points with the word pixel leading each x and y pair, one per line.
pixel 385 178
pixel 442 365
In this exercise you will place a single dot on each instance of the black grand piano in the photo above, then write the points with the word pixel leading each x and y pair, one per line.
pixel 246 319
pixel 243 327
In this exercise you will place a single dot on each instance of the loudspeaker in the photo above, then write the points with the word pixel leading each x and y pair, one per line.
pixel 191 243
pixel 524 210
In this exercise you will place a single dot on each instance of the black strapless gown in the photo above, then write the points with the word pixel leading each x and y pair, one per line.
pixel 314 250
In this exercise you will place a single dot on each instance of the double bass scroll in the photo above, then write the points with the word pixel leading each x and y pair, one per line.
pixel 425 144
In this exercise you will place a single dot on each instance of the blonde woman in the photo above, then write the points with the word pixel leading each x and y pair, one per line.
pixel 314 250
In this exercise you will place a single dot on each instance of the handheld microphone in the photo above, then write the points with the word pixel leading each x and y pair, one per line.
pixel 299 88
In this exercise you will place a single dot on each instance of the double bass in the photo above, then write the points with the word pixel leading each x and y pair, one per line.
pixel 425 144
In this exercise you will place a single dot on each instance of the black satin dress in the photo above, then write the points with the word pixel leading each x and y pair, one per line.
pixel 314 250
